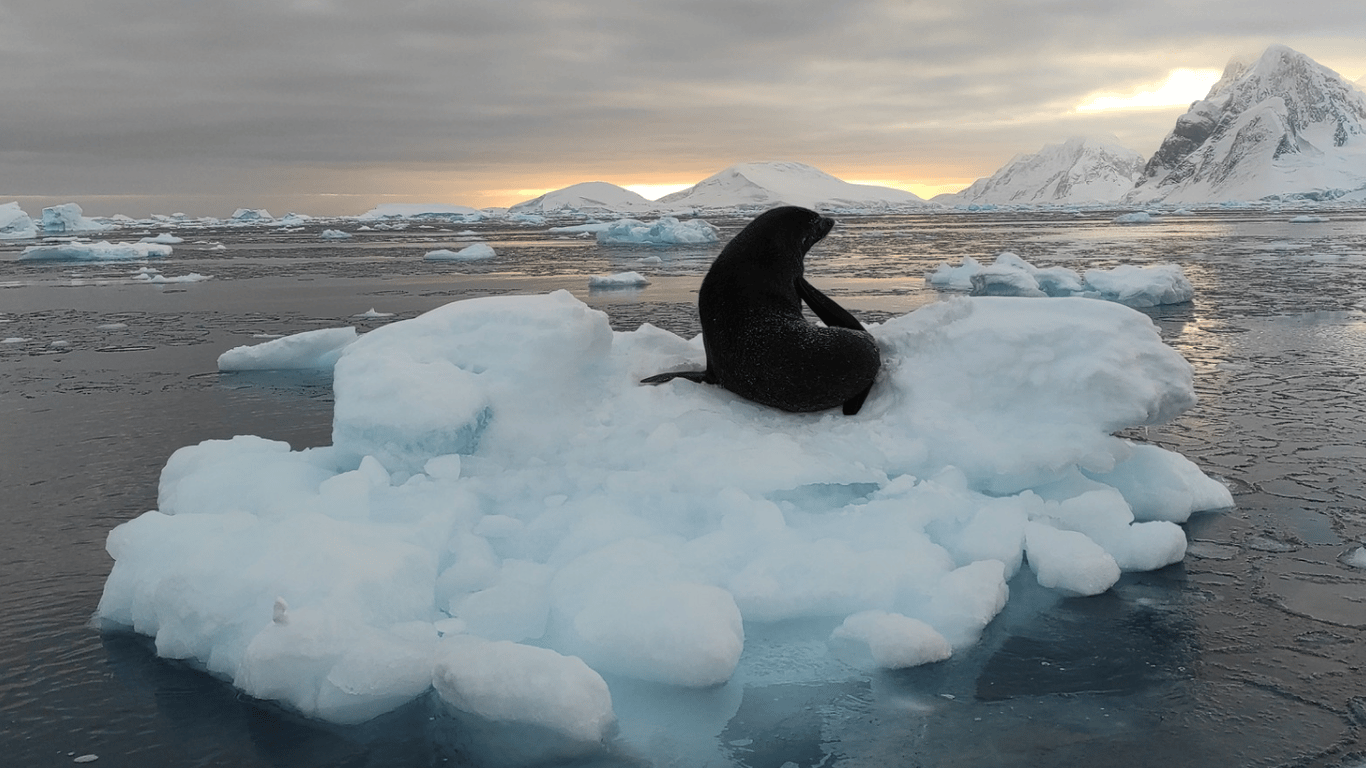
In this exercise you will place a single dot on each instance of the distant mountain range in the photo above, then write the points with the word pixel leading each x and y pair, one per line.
pixel 764 185
pixel 1282 127
pixel 1078 171
pixel 740 187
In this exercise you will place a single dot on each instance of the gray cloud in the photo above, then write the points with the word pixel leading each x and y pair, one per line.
pixel 224 103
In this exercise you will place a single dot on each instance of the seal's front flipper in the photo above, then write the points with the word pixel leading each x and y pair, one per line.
pixel 830 313
pixel 853 404
pixel 701 377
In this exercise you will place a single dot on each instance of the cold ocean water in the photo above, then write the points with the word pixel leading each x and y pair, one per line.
pixel 1250 652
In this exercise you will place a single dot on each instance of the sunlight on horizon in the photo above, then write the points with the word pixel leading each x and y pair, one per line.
pixel 655 191
pixel 1181 87
pixel 921 189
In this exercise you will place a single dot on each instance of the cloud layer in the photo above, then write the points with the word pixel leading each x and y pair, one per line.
pixel 331 106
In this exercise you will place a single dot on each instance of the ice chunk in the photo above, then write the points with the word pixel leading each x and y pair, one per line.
pixel 475 252
pixel 503 681
pixel 893 641
pixel 618 280
pixel 1068 561
pixel 77 250
pixel 667 230
pixel 251 216
pixel 311 349
pixel 68 218
pixel 1010 275
pixel 1141 286
pixel 15 224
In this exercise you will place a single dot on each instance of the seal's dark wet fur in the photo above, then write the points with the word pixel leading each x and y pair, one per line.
pixel 758 344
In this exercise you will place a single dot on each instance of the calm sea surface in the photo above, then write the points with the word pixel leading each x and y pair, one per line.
pixel 1249 653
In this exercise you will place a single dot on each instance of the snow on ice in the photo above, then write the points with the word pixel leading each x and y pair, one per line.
pixel 507 515
pixel 1011 275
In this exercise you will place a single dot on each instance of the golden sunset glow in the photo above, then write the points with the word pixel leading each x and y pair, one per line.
pixel 1181 87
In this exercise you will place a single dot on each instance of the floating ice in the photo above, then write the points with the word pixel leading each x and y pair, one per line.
pixel 1011 275
pixel 665 231
pixel 15 224
pixel 619 280
pixel 1307 219
pixel 165 238
pixel 1137 217
pixel 373 314
pixel 251 215
pixel 334 234
pixel 498 476
pixel 1141 286
pixel 104 250
pixel 68 218
pixel 473 252
pixel 149 275
pixel 308 350
pixel 1355 558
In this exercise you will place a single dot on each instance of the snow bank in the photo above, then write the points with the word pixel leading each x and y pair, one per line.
pixel 475 252
pixel 503 504
pixel 310 349
pixel 665 231
pixel 1011 275
pixel 619 280
pixel 104 250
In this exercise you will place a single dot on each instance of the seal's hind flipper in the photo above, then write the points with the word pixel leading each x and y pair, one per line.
pixel 701 377
pixel 853 404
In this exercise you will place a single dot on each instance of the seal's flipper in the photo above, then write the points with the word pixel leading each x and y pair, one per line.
pixel 701 377
pixel 825 307
pixel 853 404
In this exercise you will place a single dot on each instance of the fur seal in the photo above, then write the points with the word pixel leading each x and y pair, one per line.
pixel 758 344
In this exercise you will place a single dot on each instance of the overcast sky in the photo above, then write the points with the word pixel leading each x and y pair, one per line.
pixel 334 106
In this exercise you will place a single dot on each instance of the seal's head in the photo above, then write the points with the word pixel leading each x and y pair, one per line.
pixel 782 235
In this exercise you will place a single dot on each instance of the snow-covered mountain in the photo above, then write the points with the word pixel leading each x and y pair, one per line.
pixel 764 185
pixel 1080 170
pixel 1283 126
pixel 586 197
